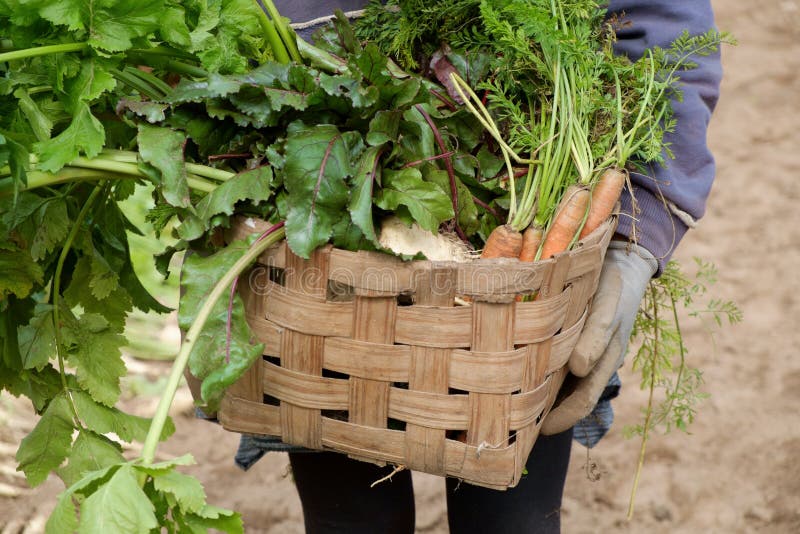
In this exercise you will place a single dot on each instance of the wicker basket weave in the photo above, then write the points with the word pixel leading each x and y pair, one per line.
pixel 370 356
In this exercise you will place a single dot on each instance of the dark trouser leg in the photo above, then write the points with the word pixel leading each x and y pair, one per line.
pixel 336 495
pixel 533 506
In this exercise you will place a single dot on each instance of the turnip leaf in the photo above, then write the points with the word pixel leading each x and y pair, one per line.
pixel 428 204
pixel 90 452
pixel 163 148
pixel 84 135
pixel 119 505
pixel 48 444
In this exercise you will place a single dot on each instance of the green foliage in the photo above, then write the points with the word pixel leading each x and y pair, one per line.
pixel 427 203
pixel 119 505
pixel 410 29
pixel 661 358
pixel 252 185
pixel 163 149
pixel 93 348
pixel 89 452
pixel 84 135
pixel 217 359
pixel 662 355
pixel 316 169
pixel 365 178
pixel 20 272
pixel 48 444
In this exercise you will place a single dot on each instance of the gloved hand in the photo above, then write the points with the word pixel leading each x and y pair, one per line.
pixel 601 347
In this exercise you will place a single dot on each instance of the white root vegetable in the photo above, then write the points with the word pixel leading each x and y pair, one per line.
pixel 402 239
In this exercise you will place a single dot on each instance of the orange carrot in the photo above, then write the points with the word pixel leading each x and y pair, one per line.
pixel 604 197
pixel 531 239
pixel 568 219
pixel 503 242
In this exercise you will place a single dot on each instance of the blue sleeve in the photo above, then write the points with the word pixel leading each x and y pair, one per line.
pixel 684 181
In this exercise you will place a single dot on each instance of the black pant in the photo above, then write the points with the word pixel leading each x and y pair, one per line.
pixel 336 495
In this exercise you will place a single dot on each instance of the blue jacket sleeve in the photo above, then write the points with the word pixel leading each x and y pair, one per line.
pixel 672 196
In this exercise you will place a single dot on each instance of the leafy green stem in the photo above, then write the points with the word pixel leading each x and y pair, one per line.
pixel 278 48
pixel 164 59
pixel 272 236
pixel 37 179
pixel 26 53
pixel 125 156
pixel 134 82
pixel 682 356
pixel 285 32
pixel 155 82
pixel 649 409
pixel 482 114
pixel 321 59
pixel 56 296
pixel 91 169
pixel 162 51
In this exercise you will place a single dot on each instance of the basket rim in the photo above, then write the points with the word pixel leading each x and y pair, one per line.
pixel 244 226
pixel 494 280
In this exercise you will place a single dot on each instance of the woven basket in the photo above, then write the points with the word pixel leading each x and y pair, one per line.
pixel 371 356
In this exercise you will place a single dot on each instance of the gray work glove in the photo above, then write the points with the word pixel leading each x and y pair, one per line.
pixel 601 347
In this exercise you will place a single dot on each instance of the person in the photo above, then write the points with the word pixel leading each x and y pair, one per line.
pixel 335 491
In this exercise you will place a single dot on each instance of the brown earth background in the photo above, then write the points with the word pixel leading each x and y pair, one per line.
pixel 739 469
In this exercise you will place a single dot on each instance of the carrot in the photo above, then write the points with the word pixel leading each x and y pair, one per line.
pixel 531 239
pixel 503 242
pixel 566 222
pixel 604 197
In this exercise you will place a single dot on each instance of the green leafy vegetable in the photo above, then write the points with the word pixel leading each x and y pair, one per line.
pixel 48 444
pixel 163 149
pixel 119 505
pixel 428 204
pixel 215 359
pixel 317 165
pixel 85 135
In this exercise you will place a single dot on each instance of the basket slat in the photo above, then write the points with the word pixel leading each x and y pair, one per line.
pixel 301 313
pixel 303 352
pixel 438 327
pixel 492 467
pixel 432 410
pixel 527 407
pixel 487 372
pixel 376 361
pixel 241 415
pixel 305 389
pixel 373 321
pixel 541 318
pixel 561 345
pixel 492 330
pixel 364 441
pixel 429 372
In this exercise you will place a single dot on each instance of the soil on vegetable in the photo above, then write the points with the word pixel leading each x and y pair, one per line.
pixel 738 471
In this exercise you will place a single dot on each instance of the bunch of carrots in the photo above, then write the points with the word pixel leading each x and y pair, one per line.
pixel 591 114
pixel 566 194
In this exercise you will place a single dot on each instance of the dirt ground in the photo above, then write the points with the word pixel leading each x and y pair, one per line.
pixel 739 469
